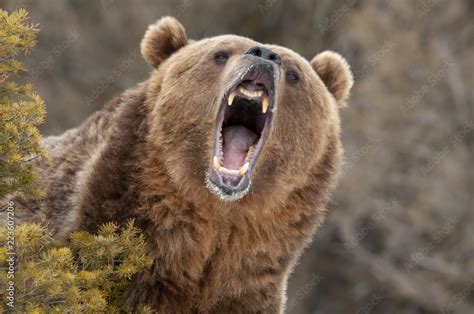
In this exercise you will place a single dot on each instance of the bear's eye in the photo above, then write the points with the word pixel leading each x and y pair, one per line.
pixel 292 76
pixel 221 57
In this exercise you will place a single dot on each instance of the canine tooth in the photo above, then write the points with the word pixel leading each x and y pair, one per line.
pixel 217 164
pixel 243 169
pixel 230 98
pixel 265 103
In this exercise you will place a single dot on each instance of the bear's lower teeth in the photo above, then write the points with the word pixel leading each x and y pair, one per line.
pixel 251 152
pixel 241 172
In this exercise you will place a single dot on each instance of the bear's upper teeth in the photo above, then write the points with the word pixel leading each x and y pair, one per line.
pixel 252 94
pixel 249 93
pixel 265 103
pixel 231 97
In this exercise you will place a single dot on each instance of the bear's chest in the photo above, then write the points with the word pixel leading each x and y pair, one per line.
pixel 209 259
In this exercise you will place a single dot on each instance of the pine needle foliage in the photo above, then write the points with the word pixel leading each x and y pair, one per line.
pixel 21 109
pixel 92 273
pixel 89 276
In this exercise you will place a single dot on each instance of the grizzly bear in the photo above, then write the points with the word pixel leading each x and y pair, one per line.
pixel 225 157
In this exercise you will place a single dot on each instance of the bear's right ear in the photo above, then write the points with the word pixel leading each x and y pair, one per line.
pixel 336 74
pixel 162 39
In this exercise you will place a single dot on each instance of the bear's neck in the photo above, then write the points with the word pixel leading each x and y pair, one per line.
pixel 129 176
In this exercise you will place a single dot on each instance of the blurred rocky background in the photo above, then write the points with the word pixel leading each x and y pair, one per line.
pixel 399 237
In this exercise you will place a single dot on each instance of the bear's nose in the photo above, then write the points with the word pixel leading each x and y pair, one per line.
pixel 264 53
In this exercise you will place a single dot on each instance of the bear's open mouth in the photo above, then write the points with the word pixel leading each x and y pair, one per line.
pixel 242 128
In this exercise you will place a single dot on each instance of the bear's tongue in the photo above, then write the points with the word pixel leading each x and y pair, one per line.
pixel 237 141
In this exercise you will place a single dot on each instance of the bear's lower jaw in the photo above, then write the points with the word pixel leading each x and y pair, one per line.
pixel 227 195
pixel 242 127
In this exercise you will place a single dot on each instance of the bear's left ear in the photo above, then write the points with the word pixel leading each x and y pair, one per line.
pixel 162 39
pixel 334 71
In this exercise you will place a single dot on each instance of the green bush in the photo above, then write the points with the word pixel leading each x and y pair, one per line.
pixel 21 110
pixel 90 276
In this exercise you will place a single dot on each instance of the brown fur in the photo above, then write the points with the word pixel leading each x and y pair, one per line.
pixel 335 73
pixel 145 155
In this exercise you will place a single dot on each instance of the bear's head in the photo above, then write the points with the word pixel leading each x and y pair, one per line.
pixel 238 119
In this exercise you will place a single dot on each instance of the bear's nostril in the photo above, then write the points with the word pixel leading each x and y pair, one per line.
pixel 264 53
pixel 275 58
pixel 256 52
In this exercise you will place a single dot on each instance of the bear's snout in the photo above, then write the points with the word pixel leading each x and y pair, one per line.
pixel 265 54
